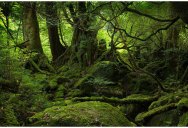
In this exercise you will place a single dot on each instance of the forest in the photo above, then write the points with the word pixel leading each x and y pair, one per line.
pixel 94 63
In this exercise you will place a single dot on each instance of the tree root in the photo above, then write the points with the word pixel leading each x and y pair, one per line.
pixel 37 67
pixel 41 61
pixel 128 100
pixel 142 117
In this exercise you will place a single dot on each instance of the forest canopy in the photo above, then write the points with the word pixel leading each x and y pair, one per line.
pixel 130 57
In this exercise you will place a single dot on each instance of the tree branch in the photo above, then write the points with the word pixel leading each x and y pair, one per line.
pixel 148 16
pixel 137 38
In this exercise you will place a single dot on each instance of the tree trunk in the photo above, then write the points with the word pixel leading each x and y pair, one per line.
pixel 173 32
pixel 84 41
pixel 52 21
pixel 31 27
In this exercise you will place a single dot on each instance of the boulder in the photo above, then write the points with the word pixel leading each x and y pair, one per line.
pixel 168 118
pixel 81 114
pixel 102 80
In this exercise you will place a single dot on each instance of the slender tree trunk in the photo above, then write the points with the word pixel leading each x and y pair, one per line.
pixel 31 27
pixel 52 21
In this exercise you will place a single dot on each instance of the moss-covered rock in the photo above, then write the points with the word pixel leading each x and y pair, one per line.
pixel 144 116
pixel 183 120
pixel 81 114
pixel 105 69
pixel 168 118
pixel 135 83
pixel 102 79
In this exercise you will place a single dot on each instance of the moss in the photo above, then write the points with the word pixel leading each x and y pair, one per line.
pixel 81 114
pixel 90 85
pixel 135 98
pixel 168 118
pixel 183 120
pixel 141 118
pixel 183 103
pixel 10 117
pixel 105 69
pixel 166 99
pixel 140 83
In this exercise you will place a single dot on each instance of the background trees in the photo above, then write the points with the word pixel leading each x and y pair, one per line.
pixel 75 29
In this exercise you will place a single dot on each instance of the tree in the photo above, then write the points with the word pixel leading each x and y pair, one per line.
pixel 31 27
pixel 52 22
pixel 84 38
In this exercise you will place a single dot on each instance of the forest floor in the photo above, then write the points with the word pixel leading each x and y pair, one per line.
pixel 105 94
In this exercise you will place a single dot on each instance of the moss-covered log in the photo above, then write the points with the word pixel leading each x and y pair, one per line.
pixel 141 118
pixel 133 99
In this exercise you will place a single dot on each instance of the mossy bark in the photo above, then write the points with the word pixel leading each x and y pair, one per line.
pixel 134 100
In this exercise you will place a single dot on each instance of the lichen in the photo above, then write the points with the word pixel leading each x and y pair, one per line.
pixel 81 114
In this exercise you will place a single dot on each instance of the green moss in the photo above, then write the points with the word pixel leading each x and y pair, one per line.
pixel 140 83
pixel 81 114
pixel 135 99
pixel 105 69
pixel 183 103
pixel 10 117
pixel 183 120
pixel 168 118
pixel 140 118
pixel 166 99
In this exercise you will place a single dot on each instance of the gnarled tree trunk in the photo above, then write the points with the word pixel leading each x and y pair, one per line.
pixel 84 41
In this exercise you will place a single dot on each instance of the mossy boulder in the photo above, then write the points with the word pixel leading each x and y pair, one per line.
pixel 81 114
pixel 143 117
pixel 102 80
pixel 168 118
pixel 139 83
pixel 105 69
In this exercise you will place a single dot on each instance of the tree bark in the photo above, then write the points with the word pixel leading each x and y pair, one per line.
pixel 84 41
pixel 31 27
pixel 52 22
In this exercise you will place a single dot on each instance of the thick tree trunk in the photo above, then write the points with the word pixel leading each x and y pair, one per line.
pixel 52 21
pixel 31 27
pixel 84 41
